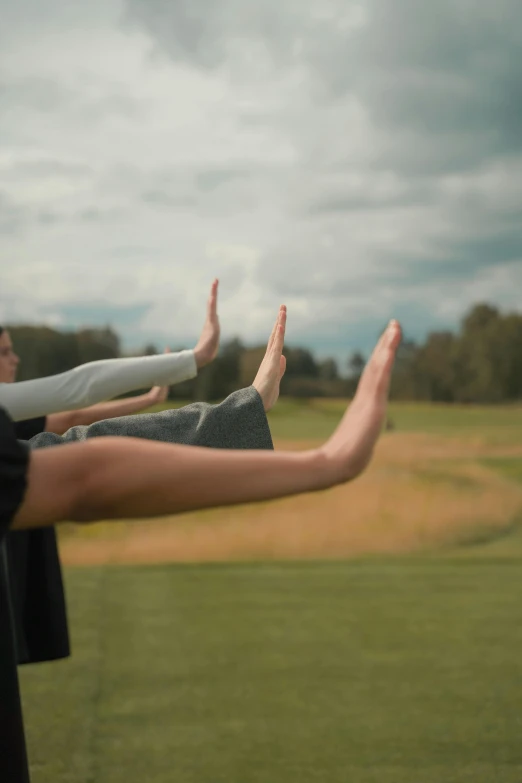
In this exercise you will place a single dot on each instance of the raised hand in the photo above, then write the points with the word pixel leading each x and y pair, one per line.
pixel 208 343
pixel 351 446
pixel 158 394
pixel 273 366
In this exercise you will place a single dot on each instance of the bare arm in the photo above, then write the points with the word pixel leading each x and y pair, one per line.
pixel 113 478
pixel 127 478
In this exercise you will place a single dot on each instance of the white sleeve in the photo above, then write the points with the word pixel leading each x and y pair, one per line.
pixel 94 382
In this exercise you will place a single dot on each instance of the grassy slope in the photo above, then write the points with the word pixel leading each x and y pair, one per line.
pixel 403 671
pixel 317 419
pixel 309 419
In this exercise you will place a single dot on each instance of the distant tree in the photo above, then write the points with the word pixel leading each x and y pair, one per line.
pixel 479 355
pixel 249 362
pixel 328 370
pixel 481 363
pixel 356 364
pixel 222 376
pixel 44 351
pixel 434 366
pixel 406 383
pixel 479 317
pixel 300 363
pixel 95 344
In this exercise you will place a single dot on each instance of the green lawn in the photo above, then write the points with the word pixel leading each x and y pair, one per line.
pixel 377 671
pixel 310 419
pixel 374 671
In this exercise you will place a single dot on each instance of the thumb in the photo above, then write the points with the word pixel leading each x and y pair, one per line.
pixel 282 366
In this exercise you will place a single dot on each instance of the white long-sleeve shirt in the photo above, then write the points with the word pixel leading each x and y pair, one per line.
pixel 94 382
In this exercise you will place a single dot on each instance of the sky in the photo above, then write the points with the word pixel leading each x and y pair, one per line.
pixel 355 160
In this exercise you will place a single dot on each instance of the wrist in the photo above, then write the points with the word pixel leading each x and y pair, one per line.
pixel 200 358
pixel 325 468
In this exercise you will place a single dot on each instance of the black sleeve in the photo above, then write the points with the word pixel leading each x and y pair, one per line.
pixel 14 461
pixel 25 430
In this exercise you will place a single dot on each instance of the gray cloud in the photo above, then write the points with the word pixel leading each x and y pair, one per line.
pixel 83 103
pixel 364 199
pixel 51 168
pixel 348 157
pixel 450 70
pixel 212 179
pixel 214 189
pixel 162 198
pixel 12 215
pixel 36 93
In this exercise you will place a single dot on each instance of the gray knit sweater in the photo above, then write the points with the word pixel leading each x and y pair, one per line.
pixel 239 422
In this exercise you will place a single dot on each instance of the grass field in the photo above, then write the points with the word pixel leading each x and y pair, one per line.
pixel 443 477
pixel 345 665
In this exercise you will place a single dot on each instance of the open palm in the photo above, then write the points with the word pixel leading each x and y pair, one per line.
pixel 208 344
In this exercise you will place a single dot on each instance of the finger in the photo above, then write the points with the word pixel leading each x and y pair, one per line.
pixel 212 300
pixel 154 393
pixel 279 339
pixel 393 340
pixel 378 371
pixel 167 349
pixel 282 366
pixel 392 335
pixel 381 344
pixel 280 334
pixel 389 342
pixel 272 333
pixel 281 314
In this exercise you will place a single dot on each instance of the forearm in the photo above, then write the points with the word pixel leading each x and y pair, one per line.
pixel 59 423
pixel 113 478
pixel 93 382
pixel 151 479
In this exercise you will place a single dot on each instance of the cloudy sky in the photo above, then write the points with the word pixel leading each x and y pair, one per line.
pixel 355 160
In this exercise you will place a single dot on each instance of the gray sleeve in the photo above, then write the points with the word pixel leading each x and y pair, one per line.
pixel 239 422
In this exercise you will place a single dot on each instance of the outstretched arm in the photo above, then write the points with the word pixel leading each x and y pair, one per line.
pixel 93 382
pixel 96 381
pixel 59 423
pixel 114 478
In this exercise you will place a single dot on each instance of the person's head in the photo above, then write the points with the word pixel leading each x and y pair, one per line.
pixel 9 361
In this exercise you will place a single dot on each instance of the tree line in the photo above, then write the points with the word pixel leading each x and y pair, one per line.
pixel 479 363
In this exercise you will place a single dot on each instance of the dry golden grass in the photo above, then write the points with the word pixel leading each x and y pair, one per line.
pixel 421 492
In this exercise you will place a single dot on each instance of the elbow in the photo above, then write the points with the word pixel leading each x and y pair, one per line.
pixel 87 488
pixel 97 485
